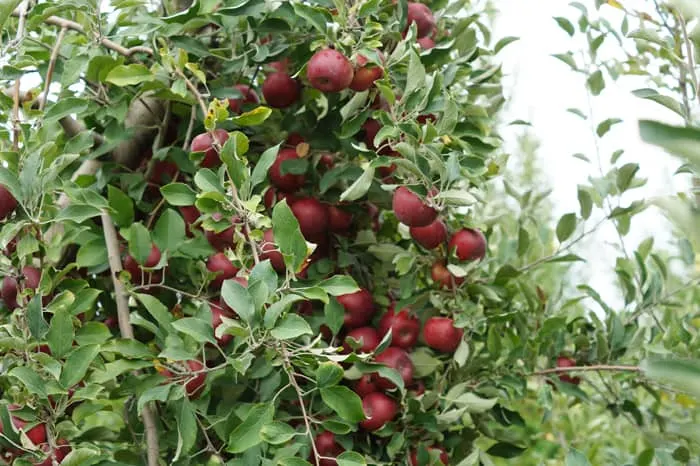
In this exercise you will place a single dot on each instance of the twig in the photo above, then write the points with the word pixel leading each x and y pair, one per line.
pixel 52 65
pixel 190 127
pixel 16 130
pixel 127 331
pixel 193 89
pixel 598 367
pixel 689 53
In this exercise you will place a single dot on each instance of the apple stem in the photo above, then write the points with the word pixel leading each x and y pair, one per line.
pixel 126 330
pixel 16 130
pixel 598 367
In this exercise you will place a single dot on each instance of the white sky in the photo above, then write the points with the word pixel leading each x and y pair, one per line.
pixel 541 88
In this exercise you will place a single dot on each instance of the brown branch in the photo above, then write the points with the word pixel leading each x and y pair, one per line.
pixel 598 367
pixel 193 89
pixel 52 65
pixel 127 331
pixel 16 130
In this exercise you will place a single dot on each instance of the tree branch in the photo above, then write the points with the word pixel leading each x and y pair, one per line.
pixel 16 130
pixel 598 367
pixel 52 65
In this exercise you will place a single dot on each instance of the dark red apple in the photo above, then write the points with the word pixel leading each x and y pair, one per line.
pixel 205 143
pixel 273 196
pixel 288 182
pixel 9 292
pixel 442 276
pixel 8 203
pixel 444 459
pixel 440 334
pixel 217 312
pixel 359 308
pixel 294 139
pixel 312 216
pixel 269 251
pixel 163 172
pixel 223 267
pixel 411 210
pixel 248 97
pixel 397 359
pixel 280 90
pixel 36 434
pixel 339 221
pixel 365 74
pixel 366 336
pixel 404 328
pixel 58 454
pixel 196 379
pixel 420 14
pixel 468 244
pixel 329 71
pixel 426 43
pixel 563 361
pixel 430 236
pixel 190 214
pixel 379 410
pixel 328 447
pixel 281 66
pixel 365 385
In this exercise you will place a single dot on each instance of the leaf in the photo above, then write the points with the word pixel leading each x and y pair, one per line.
pixel 77 364
pixel 122 206
pixel 77 213
pixel 276 309
pixel 625 175
pixel 186 428
pixel 317 17
pixel 157 310
pixel 92 253
pixel 140 243
pixel 596 82
pixel 65 107
pixel 501 44
pixel 360 187
pixel 350 458
pixel 169 231
pixel 199 329
pixel 566 25
pixel 653 95
pixel 334 314
pixel 566 226
pixel 249 432
pixel 238 298
pixel 6 9
pixel 681 374
pixel 61 334
pixel 35 319
pixel 129 75
pixel 264 163
pixel 292 326
pixel 680 141
pixel 288 237
pixel 277 433
pixel 30 379
pixel 178 194
pixel 415 75
pixel 157 393
pixel 604 126
pixel 254 117
pixel 505 450
pixel 328 374
pixel 576 458
pixel 586 203
pixel 339 285
pixel 343 401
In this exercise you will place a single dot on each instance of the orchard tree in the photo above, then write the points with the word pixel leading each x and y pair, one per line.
pixel 258 232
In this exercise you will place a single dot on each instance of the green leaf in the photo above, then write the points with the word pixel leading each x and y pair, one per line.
pixel 653 95
pixel 277 433
pixel 261 168
pixel 681 374
pixel 339 285
pixel 596 82
pixel 360 187
pixel 566 58
pixel 293 462
pixel 625 175
pixel 317 17
pixel 157 393
pixel 576 458
pixel 343 401
pixel 35 319
pixel 329 374
pixel 239 299
pixel 254 117
pixel 140 243
pixel 415 75
pixel 157 310
pixel 77 364
pixel 566 226
pixel 276 309
pixel 350 458
pixel 566 25
pixel 65 107
pixel 30 379
pixel 169 231
pixel 186 428
pixel 200 330
pixel 82 457
pixel 680 141
pixel 249 432
pixel 604 126
pixel 334 314
pixel 501 44
pixel 77 213
pixel 129 75
pixel 505 450
pixel 178 194
pixel 128 348
pixel 586 203
pixel 92 253
pixel 61 333
pixel 292 326
pixel 288 236
pixel 122 206
pixel 6 9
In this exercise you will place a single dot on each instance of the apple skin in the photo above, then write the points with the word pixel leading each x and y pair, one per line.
pixel 328 447
pixel 163 172
pixel 379 410
pixel 9 292
pixel 281 66
pixel 405 328
pixel 59 453
pixel 205 143
pixel 365 385
pixel 190 214
pixel 132 266
pixel 8 203
pixel 563 361
pixel 312 216
pixel 222 240
pixel 365 74
pixel 444 459
pixel 395 358
pixel 220 264
pixel 442 276
pixel 339 221
pixel 430 236
pixel 411 210
pixel 370 128
pixel 280 90
pixel 367 336
pixel 420 14
pixel 248 97
pixel 217 312
pixel 440 334
pixel 195 382
pixel 329 71
pixel 288 182
pixel 468 244
pixel 36 434
pixel 269 251
pixel 359 308
pixel 273 196
pixel 426 43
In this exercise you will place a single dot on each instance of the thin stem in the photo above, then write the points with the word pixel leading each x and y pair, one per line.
pixel 690 56
pixel 190 127
pixel 598 367
pixel 16 130
pixel 193 89
pixel 52 66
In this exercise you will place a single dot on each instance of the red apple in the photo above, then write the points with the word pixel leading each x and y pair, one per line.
pixel 563 361
pixel 365 385
pixel 430 236
pixel 379 410
pixel 328 447
pixel 281 66
pixel 196 379
pixel 366 336
pixel 420 14
pixel 36 434
pixel 223 267
pixel 273 196
pixel 8 203
pixel 248 97
pixel 312 216
pixel 163 172
pixel 468 244
pixel 329 71
pixel 426 43
pixel 288 182
pixel 359 308
pixel 404 328
pixel 59 453
pixel 411 210
pixel 32 277
pixel 294 139
pixel 339 221
pixel 440 334
pixel 205 143
pixel 397 359
pixel 269 251
pixel 365 74
pixel 217 312
pixel 9 292
pixel 444 459
pixel 442 276
pixel 371 128
pixel 280 90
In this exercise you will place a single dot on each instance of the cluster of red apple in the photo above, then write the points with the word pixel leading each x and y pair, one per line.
pixel 37 435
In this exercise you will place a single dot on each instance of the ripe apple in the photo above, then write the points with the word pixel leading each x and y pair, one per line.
pixel 366 336
pixel 444 459
pixel 205 143
pixel 365 74
pixel 329 71
pixel 426 43
pixel 442 276
pixel 379 410
pixel 190 214
pixel 404 328
pixel 312 216
pixel 430 236
pixel 217 312
pixel 269 251
pixel 58 454
pixel 280 90
pixel 365 385
pixel 248 97
pixel 192 374
pixel 281 66
pixel 223 267
pixel 563 361
pixel 370 129
pixel 420 14
pixel 288 182
pixel 32 277
pixel 468 244
pixel 273 196
pixel 222 240
pixel 328 447
pixel 339 221
pixel 163 172
pixel 440 334
pixel 8 203
pixel 359 308
pixel 36 434
pixel 397 359
pixel 294 139
pixel 411 210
